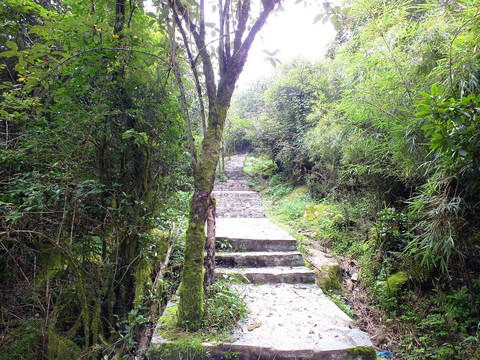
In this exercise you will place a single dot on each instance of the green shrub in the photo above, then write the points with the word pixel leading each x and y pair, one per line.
pixel 223 307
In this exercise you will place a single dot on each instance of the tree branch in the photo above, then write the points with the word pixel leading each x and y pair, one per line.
pixel 243 51
pixel 77 55
pixel 178 76
pixel 227 30
pixel 193 66
pixel 221 43
pixel 244 10
pixel 208 71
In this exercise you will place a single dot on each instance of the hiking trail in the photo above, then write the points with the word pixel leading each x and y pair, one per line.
pixel 289 315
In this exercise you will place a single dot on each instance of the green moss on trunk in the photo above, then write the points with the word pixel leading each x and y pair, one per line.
pixel 191 287
pixel 60 347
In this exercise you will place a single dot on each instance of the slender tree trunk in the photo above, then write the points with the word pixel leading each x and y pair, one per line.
pixel 219 97
pixel 191 288
pixel 210 245
pixel 146 332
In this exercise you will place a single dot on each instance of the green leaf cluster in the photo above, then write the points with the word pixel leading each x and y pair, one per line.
pixel 93 171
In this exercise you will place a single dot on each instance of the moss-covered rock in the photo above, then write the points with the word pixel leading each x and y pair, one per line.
pixel 339 221
pixel 299 191
pixel 313 211
pixel 362 353
pixel 396 281
pixel 180 349
pixel 171 342
pixel 328 271
pixel 168 319
pixel 330 277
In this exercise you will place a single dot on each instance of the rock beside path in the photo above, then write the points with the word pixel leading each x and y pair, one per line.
pixel 328 272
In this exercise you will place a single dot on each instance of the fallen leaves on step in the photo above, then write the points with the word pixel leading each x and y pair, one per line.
pixel 254 326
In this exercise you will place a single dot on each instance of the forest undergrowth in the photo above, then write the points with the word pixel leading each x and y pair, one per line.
pixel 373 153
pixel 400 315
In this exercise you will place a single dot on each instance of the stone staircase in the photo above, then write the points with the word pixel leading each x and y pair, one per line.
pixel 257 249
pixel 290 318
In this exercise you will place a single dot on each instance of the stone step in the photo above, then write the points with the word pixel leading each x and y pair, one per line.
pixel 259 259
pixel 248 228
pixel 231 192
pixel 294 322
pixel 256 244
pixel 270 275
pixel 234 185
pixel 248 211
pixel 235 175
pixel 228 195
pixel 238 199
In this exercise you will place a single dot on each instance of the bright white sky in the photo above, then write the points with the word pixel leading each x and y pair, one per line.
pixel 293 32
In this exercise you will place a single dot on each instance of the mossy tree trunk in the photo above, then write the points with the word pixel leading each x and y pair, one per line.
pixel 210 244
pixel 234 45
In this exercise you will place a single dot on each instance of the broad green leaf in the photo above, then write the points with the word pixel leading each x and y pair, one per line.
pixel 10 44
pixel 8 53
pixel 336 23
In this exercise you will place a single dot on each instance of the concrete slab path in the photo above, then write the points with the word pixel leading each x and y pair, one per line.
pixel 290 317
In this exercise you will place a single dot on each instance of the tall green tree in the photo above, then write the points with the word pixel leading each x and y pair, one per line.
pixel 234 43
pixel 91 165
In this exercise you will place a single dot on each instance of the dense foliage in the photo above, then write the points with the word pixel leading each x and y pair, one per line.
pixel 383 135
pixel 93 167
pixel 387 128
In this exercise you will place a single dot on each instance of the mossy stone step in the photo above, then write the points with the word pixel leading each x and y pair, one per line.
pixel 269 275
pixel 260 259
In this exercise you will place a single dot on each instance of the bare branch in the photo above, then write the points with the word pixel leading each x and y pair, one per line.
pixel 176 71
pixel 208 70
pixel 227 30
pixel 193 66
pixel 243 11
pixel 221 43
